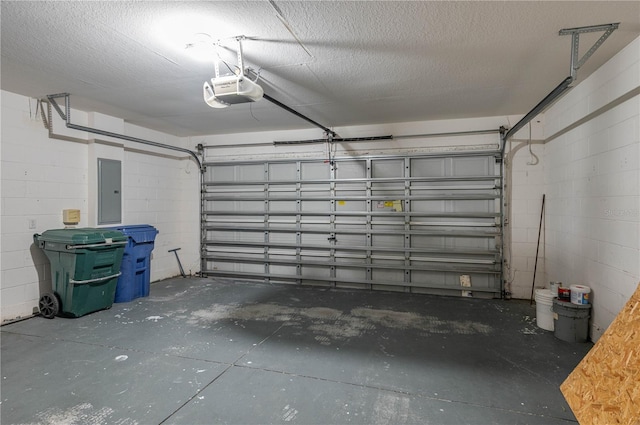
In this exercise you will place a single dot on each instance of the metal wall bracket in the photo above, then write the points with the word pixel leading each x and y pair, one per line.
pixel 567 82
pixel 575 42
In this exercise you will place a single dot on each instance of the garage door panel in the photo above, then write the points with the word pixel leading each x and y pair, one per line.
pixel 280 223
pixel 401 222
pixel 358 186
pixel 311 255
pixel 473 243
pixel 279 270
pixel 249 268
pixel 235 173
pixel 351 274
pixel 315 206
pixel 281 238
pixel 314 170
pixel 316 227
pixel 351 225
pixel 431 278
pixel 475 166
pixel 282 192
pixel 388 276
pixel 344 206
pixel 318 189
pixel 398 262
pixel 471 206
pixel 427 167
pixel 351 240
pixel 431 242
pixel 254 206
pixel 388 240
pixel 355 169
pixel 434 206
pixel 350 258
pixel 392 167
pixel 237 236
pixel 315 272
pixel 315 239
pixel 282 171
pixel 276 206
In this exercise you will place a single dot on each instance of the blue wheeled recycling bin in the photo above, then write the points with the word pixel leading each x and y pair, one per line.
pixel 136 262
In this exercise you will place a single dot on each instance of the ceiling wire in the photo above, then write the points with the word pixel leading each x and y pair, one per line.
pixel 251 111
pixel 228 66
pixel 287 25
pixel 256 72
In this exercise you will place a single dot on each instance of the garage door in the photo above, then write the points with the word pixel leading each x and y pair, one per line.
pixel 427 223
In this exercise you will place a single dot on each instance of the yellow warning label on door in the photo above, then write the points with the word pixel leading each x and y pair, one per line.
pixel 342 202
pixel 388 203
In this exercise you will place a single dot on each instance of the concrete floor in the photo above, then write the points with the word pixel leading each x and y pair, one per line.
pixel 204 351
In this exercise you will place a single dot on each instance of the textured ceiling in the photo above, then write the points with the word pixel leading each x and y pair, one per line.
pixel 338 62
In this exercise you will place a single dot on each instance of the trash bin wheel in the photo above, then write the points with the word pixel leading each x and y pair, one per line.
pixel 49 305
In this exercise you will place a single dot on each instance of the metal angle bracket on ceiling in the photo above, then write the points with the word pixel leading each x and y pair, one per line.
pixel 575 42
pixel 567 82
pixel 66 116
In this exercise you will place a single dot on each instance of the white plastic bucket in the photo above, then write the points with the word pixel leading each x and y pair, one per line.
pixel 580 294
pixel 544 309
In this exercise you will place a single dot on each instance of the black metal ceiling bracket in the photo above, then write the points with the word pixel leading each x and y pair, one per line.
pixel 332 140
pixel 276 102
pixel 500 130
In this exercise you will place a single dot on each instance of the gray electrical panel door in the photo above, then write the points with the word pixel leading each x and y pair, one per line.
pixel 427 223
pixel 109 191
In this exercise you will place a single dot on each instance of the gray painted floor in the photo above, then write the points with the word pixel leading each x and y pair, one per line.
pixel 204 351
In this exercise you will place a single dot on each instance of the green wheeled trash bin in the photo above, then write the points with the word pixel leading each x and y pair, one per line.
pixel 85 266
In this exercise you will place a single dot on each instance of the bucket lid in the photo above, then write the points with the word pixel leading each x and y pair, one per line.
pixel 569 305
pixel 580 288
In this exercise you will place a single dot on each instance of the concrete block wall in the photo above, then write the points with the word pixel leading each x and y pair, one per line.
pixel 43 176
pixel 525 185
pixel 592 180
pixel 163 191
pixel 40 178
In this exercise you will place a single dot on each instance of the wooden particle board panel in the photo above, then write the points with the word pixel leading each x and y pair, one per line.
pixel 605 387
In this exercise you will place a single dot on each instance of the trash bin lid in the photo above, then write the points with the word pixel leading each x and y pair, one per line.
pixel 139 233
pixel 83 236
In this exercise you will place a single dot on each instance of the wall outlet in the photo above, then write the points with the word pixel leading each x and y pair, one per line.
pixel 32 223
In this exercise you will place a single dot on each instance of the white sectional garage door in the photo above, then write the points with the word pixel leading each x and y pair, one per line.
pixel 428 223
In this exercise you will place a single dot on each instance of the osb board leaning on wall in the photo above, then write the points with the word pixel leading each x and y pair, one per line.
pixel 605 387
